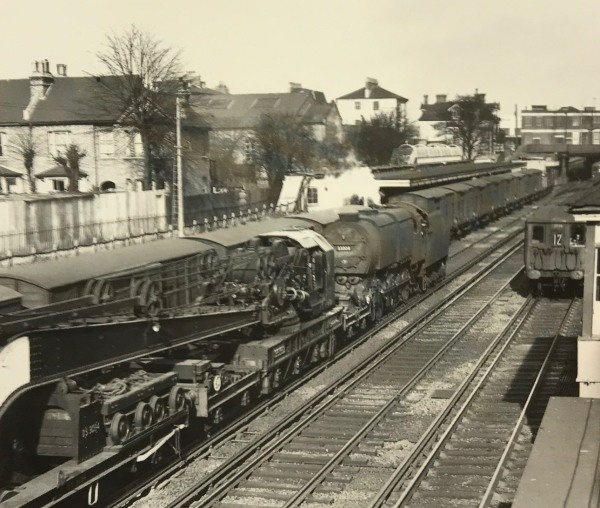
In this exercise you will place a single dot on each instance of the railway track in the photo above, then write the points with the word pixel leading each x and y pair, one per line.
pixel 475 452
pixel 317 451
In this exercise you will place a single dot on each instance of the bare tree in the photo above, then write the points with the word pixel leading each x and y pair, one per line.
pixel 70 162
pixel 471 122
pixel 25 145
pixel 142 78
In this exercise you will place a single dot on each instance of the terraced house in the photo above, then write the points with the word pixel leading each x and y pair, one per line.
pixel 49 111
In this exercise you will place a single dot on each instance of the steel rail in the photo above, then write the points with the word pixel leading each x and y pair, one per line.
pixel 419 447
pixel 512 441
pixel 441 442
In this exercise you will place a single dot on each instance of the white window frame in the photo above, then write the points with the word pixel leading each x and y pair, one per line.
pixel 375 105
pixel 136 145
pixel 58 185
pixel 106 144
pixel 357 105
pixel 58 141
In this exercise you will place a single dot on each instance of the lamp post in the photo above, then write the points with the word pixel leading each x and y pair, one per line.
pixel 182 95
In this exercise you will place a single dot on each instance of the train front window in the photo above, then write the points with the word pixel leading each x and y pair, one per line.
pixel 577 234
pixel 537 233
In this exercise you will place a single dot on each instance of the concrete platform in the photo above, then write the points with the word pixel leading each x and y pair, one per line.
pixel 563 469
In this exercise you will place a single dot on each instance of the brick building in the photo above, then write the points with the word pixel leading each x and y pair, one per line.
pixel 540 125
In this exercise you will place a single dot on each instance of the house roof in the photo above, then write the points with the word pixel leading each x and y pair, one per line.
pixel 57 171
pixel 7 172
pixel 244 111
pixel 72 100
pixel 77 100
pixel 376 93
pixel 14 97
pixel 439 111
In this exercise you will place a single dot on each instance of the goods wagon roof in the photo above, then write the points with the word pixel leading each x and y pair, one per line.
pixel 69 270
pixel 458 187
pixel 433 193
pixel 239 235
pixel 552 214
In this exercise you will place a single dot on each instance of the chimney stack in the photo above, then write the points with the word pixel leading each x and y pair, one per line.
pixel 61 70
pixel 294 87
pixel 370 85
pixel 440 98
pixel 425 99
pixel 40 81
pixel 222 87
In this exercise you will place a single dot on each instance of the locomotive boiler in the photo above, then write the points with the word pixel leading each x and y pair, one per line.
pixel 383 255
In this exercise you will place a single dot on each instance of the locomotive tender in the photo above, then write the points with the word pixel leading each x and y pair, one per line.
pixel 114 355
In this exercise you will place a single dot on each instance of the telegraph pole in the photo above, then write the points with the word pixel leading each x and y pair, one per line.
pixel 182 94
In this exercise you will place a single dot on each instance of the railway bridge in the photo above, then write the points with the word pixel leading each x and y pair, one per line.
pixel 565 151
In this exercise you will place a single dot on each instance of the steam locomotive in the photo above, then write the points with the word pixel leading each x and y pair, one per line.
pixel 115 354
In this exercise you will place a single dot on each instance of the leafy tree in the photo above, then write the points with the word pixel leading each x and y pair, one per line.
pixel 142 78
pixel 471 122
pixel 26 146
pixel 70 162
pixel 330 152
pixel 373 141
pixel 282 144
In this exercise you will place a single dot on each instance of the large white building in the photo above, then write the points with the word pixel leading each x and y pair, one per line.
pixel 368 102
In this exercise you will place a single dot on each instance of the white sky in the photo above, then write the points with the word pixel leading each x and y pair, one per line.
pixel 520 52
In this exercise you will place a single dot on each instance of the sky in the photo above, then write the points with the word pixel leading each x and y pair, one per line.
pixel 517 52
